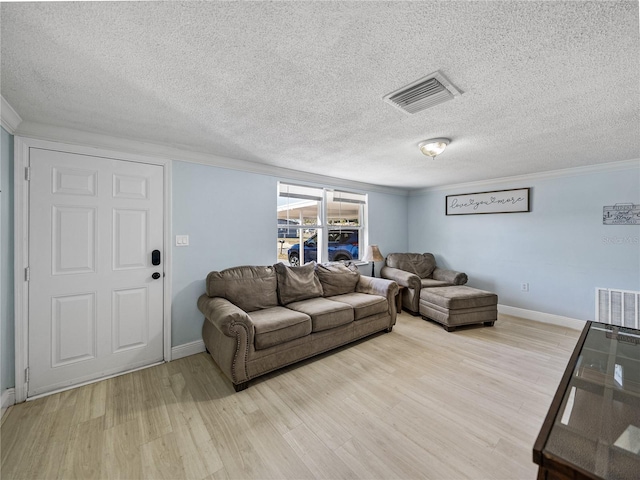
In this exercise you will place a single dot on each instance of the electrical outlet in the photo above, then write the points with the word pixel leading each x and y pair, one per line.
pixel 524 287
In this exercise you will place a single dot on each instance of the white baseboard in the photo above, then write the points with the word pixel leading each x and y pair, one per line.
pixel 542 317
pixel 8 399
pixel 187 349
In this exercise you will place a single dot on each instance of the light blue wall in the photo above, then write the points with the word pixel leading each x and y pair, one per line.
pixel 561 248
pixel 7 365
pixel 230 217
pixel 387 226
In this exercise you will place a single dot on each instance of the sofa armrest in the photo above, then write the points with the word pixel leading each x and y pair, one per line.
pixel 401 277
pixel 226 316
pixel 382 287
pixel 377 286
pixel 449 276
pixel 228 333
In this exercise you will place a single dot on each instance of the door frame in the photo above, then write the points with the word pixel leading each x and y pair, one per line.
pixel 22 146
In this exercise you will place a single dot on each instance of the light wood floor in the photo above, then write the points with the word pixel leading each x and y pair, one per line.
pixel 415 403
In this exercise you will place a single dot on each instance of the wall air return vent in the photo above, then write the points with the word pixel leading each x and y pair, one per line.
pixel 618 307
pixel 422 94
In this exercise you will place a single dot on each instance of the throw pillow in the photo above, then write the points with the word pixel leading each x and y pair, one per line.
pixel 248 287
pixel 337 279
pixel 297 283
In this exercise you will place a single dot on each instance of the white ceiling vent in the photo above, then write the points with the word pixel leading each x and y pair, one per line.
pixel 422 94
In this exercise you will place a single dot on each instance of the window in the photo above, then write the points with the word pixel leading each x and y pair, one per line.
pixel 328 223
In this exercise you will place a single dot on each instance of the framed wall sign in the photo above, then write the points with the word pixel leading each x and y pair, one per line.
pixel 499 201
pixel 621 214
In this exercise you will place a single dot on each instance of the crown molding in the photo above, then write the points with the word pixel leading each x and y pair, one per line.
pixel 565 172
pixel 10 118
pixel 77 137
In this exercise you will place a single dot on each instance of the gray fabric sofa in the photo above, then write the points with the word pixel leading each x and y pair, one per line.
pixel 416 271
pixel 261 318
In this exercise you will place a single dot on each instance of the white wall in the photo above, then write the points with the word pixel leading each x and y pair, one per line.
pixel 230 217
pixel 561 248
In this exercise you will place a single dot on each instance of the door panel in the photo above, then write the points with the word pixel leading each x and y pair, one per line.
pixel 72 181
pixel 130 246
pixel 128 307
pixel 73 240
pixel 94 309
pixel 127 186
pixel 73 336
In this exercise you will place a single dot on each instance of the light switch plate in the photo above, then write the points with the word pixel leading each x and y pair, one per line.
pixel 182 240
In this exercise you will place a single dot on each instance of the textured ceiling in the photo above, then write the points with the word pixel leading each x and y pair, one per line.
pixel 546 85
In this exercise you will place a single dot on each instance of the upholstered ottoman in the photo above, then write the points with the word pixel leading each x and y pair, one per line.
pixel 458 305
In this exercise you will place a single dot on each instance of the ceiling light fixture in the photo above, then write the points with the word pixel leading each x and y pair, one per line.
pixel 434 146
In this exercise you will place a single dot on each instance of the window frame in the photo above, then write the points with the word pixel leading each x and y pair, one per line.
pixel 323 226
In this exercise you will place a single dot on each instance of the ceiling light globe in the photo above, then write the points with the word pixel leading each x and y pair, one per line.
pixel 433 147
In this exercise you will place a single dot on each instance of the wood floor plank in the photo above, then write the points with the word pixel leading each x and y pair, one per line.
pixel 416 403
pixel 150 408
pixel 122 455
pixel 273 449
pixel 20 438
pixel 161 459
pixel 276 410
pixel 364 463
pixel 121 400
pixel 232 442
pixel 47 462
pixel 83 455
pixel 321 461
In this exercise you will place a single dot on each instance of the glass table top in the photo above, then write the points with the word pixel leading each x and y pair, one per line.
pixel 597 427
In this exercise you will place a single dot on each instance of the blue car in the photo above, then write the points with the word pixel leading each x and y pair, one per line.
pixel 343 245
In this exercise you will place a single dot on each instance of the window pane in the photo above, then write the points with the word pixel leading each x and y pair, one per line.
pixel 287 228
pixel 345 208
pixel 289 248
pixel 344 244
pixel 298 206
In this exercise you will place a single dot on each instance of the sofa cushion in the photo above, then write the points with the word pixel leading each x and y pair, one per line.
pixel 250 288
pixel 277 325
pixel 458 297
pixel 337 279
pixel 422 264
pixel 297 283
pixel 363 304
pixel 324 313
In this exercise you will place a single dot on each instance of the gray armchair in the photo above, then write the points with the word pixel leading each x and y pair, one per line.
pixel 416 271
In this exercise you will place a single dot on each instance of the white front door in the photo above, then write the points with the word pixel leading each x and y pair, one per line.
pixel 95 308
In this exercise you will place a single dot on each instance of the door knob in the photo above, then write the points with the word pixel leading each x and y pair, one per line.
pixel 155 275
